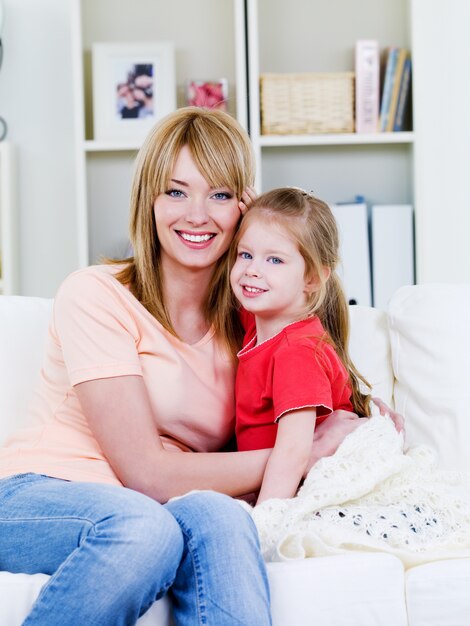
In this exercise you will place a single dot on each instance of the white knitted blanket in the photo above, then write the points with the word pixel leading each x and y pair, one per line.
pixel 371 496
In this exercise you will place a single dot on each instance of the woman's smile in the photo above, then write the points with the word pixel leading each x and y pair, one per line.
pixel 195 239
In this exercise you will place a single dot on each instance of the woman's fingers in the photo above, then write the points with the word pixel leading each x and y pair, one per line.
pixel 247 199
pixel 396 418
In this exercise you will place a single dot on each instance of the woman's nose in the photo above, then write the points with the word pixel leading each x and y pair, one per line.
pixel 197 214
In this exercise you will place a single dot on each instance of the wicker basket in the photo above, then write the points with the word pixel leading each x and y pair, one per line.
pixel 293 104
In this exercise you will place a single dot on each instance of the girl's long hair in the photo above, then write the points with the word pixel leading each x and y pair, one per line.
pixel 223 154
pixel 312 226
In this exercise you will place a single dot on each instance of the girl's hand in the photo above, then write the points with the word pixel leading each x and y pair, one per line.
pixel 247 199
pixel 396 418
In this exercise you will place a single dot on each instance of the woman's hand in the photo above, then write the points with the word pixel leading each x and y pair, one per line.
pixel 396 418
pixel 330 433
pixel 248 197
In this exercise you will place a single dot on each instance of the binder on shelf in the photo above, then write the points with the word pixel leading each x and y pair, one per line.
pixel 367 68
pixel 392 250
pixel 354 268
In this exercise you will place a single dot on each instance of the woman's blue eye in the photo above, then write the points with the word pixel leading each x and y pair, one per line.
pixel 244 255
pixel 174 193
pixel 222 195
pixel 275 260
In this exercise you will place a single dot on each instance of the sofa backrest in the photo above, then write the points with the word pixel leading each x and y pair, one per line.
pixel 23 328
pixel 369 347
pixel 430 344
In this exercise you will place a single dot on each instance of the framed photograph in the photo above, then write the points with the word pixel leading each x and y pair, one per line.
pixel 210 94
pixel 133 87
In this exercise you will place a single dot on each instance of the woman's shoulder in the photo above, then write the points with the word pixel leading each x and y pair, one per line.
pixel 92 277
pixel 90 287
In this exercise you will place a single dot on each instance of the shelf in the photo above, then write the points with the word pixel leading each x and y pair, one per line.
pixel 279 141
pixel 107 146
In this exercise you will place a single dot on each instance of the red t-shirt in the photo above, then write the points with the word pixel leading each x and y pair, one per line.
pixel 296 368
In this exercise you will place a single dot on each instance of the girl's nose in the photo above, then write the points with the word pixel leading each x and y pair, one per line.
pixel 253 270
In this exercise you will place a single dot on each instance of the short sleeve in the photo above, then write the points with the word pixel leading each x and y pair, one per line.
pixel 300 380
pixel 94 325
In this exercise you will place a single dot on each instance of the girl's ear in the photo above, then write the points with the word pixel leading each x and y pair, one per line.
pixel 313 283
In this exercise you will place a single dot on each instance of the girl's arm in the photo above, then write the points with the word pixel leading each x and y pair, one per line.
pixel 120 416
pixel 290 456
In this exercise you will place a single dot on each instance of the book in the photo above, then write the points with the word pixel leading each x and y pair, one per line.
pixel 367 87
pixel 354 268
pixel 403 98
pixel 390 64
pixel 402 55
pixel 392 250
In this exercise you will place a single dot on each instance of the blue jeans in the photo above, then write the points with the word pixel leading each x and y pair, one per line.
pixel 111 552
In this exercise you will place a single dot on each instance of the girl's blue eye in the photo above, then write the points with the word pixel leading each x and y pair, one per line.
pixel 244 255
pixel 175 193
pixel 222 195
pixel 275 260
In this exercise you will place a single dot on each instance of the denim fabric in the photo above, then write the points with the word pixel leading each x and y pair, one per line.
pixel 222 578
pixel 111 552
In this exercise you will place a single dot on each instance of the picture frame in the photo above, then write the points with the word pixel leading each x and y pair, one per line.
pixel 210 94
pixel 133 87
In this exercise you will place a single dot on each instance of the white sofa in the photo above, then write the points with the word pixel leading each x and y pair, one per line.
pixel 418 358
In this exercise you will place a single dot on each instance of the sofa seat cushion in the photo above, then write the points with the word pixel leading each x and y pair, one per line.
pixel 354 589
pixel 430 343
pixel 19 591
pixel 437 594
pixel 357 589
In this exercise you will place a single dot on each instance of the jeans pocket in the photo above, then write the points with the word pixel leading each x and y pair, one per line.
pixel 9 484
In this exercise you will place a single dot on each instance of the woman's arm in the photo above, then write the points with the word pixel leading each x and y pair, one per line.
pixel 290 455
pixel 120 416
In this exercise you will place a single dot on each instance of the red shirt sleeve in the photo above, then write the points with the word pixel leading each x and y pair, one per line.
pixel 301 379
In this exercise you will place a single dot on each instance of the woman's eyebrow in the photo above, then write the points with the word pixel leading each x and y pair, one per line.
pixel 179 182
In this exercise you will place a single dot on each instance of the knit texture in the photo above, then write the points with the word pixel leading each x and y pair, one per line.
pixel 371 496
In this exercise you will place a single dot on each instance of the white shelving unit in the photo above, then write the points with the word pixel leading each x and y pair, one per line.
pixel 425 168
pixel 9 272
pixel 206 36
pixel 313 36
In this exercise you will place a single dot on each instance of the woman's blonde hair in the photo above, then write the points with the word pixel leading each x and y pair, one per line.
pixel 312 226
pixel 222 152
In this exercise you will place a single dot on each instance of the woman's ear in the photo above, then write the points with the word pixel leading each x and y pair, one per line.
pixel 314 282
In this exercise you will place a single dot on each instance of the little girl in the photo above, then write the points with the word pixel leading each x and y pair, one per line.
pixel 294 368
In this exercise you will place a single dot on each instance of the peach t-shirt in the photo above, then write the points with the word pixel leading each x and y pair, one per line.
pixel 99 329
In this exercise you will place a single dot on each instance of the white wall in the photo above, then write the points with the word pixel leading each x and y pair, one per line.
pixel 441 97
pixel 36 100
